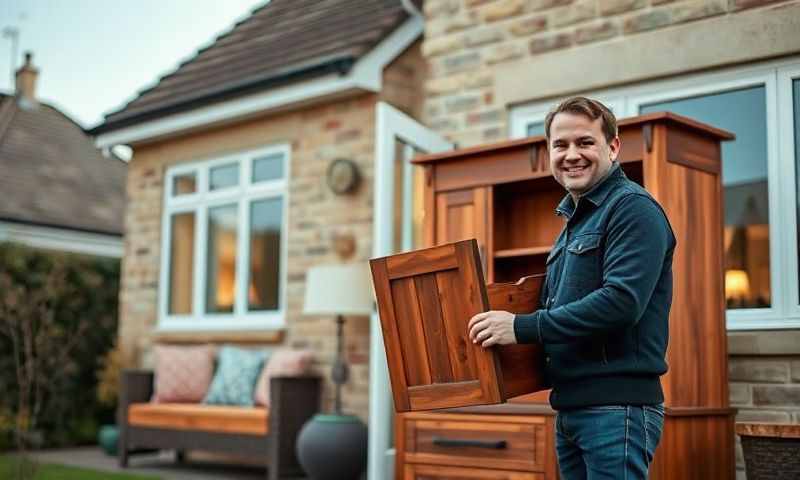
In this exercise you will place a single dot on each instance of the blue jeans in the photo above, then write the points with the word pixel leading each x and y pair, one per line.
pixel 608 442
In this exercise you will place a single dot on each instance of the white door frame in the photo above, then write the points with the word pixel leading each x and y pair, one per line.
pixel 391 124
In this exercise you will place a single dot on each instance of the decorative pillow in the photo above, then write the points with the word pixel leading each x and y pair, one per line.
pixel 182 373
pixel 237 371
pixel 282 363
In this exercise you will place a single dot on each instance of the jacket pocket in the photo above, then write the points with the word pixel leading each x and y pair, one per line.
pixel 584 262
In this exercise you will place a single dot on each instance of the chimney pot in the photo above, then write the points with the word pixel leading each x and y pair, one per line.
pixel 26 81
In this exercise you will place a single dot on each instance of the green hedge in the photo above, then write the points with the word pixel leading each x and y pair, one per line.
pixel 86 290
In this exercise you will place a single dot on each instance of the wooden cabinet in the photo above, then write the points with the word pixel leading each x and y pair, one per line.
pixel 504 196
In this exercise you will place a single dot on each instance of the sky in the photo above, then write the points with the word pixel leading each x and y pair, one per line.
pixel 93 56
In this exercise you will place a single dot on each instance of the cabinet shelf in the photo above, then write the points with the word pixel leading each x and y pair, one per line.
pixel 522 252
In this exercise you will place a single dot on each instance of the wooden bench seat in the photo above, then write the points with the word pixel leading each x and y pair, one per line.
pixel 199 417
pixel 256 432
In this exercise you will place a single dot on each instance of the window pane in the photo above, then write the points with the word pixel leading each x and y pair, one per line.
pixel 221 259
pixel 796 102
pixel 184 184
pixel 265 253
pixel 181 263
pixel 744 178
pixel 535 128
pixel 224 176
pixel 268 168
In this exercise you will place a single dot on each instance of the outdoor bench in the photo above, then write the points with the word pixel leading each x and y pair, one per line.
pixel 254 431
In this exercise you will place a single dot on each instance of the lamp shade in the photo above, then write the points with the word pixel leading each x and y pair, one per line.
pixel 338 290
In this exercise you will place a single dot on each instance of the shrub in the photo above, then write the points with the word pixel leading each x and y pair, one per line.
pixel 58 316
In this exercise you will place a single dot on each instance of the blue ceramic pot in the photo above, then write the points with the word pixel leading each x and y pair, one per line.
pixel 107 438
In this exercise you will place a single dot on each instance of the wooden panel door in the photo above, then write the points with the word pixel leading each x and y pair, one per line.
pixel 464 214
pixel 425 300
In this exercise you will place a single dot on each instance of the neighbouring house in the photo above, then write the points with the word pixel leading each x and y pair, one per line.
pixel 229 203
pixel 59 192
pixel 497 67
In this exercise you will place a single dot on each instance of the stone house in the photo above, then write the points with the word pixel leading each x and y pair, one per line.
pixel 471 71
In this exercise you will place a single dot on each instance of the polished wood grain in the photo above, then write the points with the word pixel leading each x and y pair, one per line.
pixel 391 335
pixel 519 362
pixel 776 430
pixel 414 263
pixel 510 446
pixel 697 354
pixel 425 300
pixel 695 447
pixel 194 417
pixel 528 435
pixel 438 472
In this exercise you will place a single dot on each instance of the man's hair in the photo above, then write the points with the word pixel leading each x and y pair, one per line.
pixel 588 108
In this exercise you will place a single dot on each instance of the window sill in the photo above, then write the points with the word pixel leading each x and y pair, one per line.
pixel 220 336
pixel 764 342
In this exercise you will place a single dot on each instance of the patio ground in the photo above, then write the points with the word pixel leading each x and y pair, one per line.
pixel 161 464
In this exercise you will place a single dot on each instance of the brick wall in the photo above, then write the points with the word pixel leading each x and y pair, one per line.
pixel 465 40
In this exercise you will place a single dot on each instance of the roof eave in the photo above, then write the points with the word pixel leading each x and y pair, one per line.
pixel 365 75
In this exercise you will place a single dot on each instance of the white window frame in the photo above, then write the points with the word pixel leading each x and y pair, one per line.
pixel 199 202
pixel 776 77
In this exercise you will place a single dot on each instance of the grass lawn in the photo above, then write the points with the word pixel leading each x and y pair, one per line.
pixel 8 470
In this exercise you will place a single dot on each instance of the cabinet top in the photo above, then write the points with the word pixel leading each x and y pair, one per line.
pixel 624 124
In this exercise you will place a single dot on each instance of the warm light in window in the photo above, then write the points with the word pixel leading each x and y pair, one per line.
pixel 737 285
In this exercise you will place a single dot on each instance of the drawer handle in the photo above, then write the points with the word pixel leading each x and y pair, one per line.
pixel 455 442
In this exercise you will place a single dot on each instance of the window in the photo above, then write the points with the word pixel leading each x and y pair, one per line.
pixel 760 104
pixel 224 229
pixel 745 190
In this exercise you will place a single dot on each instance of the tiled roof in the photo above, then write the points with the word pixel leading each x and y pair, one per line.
pixel 51 173
pixel 279 43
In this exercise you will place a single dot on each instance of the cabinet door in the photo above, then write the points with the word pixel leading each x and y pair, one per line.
pixel 437 472
pixel 425 300
pixel 464 214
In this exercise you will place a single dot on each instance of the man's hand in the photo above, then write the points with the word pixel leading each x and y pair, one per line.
pixel 495 327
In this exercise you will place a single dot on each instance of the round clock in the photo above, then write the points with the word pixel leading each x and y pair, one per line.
pixel 342 176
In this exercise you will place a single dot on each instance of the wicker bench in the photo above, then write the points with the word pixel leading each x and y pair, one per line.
pixel 256 431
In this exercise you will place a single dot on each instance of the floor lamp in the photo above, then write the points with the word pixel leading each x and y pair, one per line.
pixel 334 446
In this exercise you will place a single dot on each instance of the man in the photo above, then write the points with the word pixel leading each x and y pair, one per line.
pixel 605 304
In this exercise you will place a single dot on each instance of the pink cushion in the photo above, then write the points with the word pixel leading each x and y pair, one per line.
pixel 282 363
pixel 182 373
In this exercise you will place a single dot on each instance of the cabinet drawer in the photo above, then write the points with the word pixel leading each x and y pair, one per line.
pixel 435 472
pixel 470 442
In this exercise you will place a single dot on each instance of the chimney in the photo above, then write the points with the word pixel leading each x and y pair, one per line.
pixel 26 81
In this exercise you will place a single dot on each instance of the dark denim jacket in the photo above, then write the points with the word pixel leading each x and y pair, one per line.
pixel 604 320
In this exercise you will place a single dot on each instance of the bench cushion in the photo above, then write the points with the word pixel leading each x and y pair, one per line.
pixel 199 417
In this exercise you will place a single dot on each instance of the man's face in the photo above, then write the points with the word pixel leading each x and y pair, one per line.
pixel 579 153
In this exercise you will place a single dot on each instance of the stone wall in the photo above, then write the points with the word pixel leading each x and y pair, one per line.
pixel 468 41
pixel 340 129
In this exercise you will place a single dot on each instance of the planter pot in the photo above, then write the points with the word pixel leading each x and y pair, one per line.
pixel 333 447
pixel 107 438
pixel 771 450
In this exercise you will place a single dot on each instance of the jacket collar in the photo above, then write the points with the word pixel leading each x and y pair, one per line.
pixel 597 194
